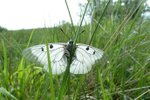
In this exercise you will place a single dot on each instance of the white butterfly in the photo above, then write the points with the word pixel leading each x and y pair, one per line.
pixel 83 59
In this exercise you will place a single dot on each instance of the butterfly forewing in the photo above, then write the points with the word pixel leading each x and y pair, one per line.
pixel 33 53
pixel 85 57
pixel 38 54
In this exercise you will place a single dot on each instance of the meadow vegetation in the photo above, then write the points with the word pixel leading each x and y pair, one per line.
pixel 123 73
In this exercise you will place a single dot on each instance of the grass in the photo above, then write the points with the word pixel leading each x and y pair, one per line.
pixel 123 72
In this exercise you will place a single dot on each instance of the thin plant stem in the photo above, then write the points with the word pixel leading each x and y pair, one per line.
pixel 78 30
pixel 50 73
pixel 70 16
pixel 99 21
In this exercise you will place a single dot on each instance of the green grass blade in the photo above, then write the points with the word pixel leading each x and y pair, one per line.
pixel 122 25
pixel 100 80
pixel 50 73
pixel 5 72
pixel 73 28
pixel 22 73
pixel 65 84
pixel 30 37
pixel 79 28
pixel 7 93
pixel 80 84
pixel 99 21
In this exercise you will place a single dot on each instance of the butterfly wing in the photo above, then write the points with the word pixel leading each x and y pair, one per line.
pixel 58 58
pixel 85 57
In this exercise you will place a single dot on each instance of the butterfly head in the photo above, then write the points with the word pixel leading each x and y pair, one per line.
pixel 70 42
pixel 70 45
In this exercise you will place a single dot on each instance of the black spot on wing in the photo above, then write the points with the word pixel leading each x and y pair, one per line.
pixel 87 48
pixel 42 49
pixel 94 53
pixel 51 46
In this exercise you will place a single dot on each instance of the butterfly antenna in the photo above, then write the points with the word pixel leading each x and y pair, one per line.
pixel 64 33
pixel 82 31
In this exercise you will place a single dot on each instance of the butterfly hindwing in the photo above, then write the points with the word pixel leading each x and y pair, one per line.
pixel 58 59
pixel 85 56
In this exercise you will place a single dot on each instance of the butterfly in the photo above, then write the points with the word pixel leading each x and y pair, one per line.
pixel 83 58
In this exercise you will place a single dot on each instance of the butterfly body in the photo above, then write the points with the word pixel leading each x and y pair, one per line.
pixel 82 56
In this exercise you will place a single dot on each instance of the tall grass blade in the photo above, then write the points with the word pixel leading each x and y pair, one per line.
pixel 21 72
pixel 100 80
pixel 7 94
pixel 99 21
pixel 73 28
pixel 5 72
pixel 30 37
pixel 79 28
pixel 123 24
pixel 65 85
pixel 50 73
